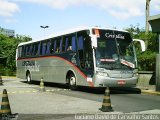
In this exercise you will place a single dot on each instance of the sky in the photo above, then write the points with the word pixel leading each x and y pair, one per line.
pixel 26 16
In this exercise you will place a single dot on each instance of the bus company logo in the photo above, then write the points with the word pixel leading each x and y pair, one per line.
pixel 31 66
pixel 28 63
pixel 113 36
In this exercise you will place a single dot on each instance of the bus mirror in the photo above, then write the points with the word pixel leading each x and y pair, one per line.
pixel 142 43
pixel 94 41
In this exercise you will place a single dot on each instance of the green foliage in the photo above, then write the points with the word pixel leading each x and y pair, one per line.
pixel 8 46
pixel 147 59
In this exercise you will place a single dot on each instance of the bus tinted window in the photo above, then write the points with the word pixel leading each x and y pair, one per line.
pixel 85 50
pixel 63 45
pixel 58 45
pixel 27 50
pixel 46 47
pixel 80 43
pixel 55 45
pixel 52 46
pixel 19 52
pixel 70 43
pixel 30 50
pixel 66 44
pixel 23 51
pixel 39 48
pixel 74 46
pixel 35 49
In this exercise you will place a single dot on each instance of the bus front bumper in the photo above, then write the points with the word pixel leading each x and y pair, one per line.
pixel 102 81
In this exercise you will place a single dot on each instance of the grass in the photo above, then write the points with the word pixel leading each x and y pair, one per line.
pixel 7 72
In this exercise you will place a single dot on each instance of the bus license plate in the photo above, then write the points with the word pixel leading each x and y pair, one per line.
pixel 121 82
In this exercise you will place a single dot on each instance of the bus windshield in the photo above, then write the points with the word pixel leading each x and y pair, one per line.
pixel 115 50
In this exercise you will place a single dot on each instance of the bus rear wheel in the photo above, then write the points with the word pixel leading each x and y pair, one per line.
pixel 72 82
pixel 28 78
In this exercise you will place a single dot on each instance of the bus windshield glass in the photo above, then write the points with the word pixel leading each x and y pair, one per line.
pixel 115 50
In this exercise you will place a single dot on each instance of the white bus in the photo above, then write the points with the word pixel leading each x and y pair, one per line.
pixel 95 57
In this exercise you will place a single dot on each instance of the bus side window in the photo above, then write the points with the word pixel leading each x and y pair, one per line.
pixel 27 50
pixel 66 44
pixel 61 40
pixel 74 47
pixel 48 47
pixel 88 53
pixel 58 45
pixel 80 43
pixel 30 50
pixel 55 46
pixel 52 46
pixel 44 46
pixel 23 51
pixel 39 48
pixel 19 52
pixel 80 50
pixel 63 45
pixel 85 50
pixel 35 49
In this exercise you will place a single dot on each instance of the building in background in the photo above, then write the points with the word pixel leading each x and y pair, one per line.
pixel 8 32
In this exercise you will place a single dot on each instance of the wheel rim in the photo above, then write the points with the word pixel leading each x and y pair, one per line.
pixel 72 81
pixel 28 78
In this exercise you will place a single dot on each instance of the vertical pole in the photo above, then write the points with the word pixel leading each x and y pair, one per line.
pixel 159 43
pixel 147 14
pixel 158 68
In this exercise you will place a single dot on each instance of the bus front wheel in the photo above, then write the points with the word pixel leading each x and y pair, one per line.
pixel 28 77
pixel 72 82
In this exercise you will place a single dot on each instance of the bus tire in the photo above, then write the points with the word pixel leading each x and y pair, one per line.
pixel 28 78
pixel 72 82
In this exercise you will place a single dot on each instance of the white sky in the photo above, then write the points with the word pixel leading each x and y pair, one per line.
pixel 25 16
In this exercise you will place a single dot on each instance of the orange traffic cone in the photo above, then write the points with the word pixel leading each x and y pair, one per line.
pixel 106 106
pixel 5 112
pixel 42 89
pixel 5 106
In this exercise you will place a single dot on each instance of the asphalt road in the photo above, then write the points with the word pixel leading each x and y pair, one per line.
pixel 26 100
pixel 124 100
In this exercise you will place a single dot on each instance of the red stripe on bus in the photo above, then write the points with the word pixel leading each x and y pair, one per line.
pixel 90 83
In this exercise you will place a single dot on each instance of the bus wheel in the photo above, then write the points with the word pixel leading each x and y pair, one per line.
pixel 72 82
pixel 28 77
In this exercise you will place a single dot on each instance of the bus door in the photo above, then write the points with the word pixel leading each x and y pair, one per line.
pixel 85 52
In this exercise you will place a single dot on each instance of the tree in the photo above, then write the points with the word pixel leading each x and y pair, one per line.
pixel 146 59
pixel 8 46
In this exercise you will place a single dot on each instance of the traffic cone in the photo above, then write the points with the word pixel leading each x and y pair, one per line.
pixel 42 89
pixel 106 105
pixel 5 106
pixel 1 82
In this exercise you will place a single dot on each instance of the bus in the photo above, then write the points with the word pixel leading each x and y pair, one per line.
pixel 89 56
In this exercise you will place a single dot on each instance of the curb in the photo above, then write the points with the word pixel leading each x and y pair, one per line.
pixel 8 76
pixel 150 92
pixel 35 91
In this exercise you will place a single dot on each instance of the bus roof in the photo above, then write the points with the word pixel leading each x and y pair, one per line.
pixel 69 32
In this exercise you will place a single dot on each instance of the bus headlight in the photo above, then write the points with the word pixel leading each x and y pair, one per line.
pixel 135 75
pixel 102 74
